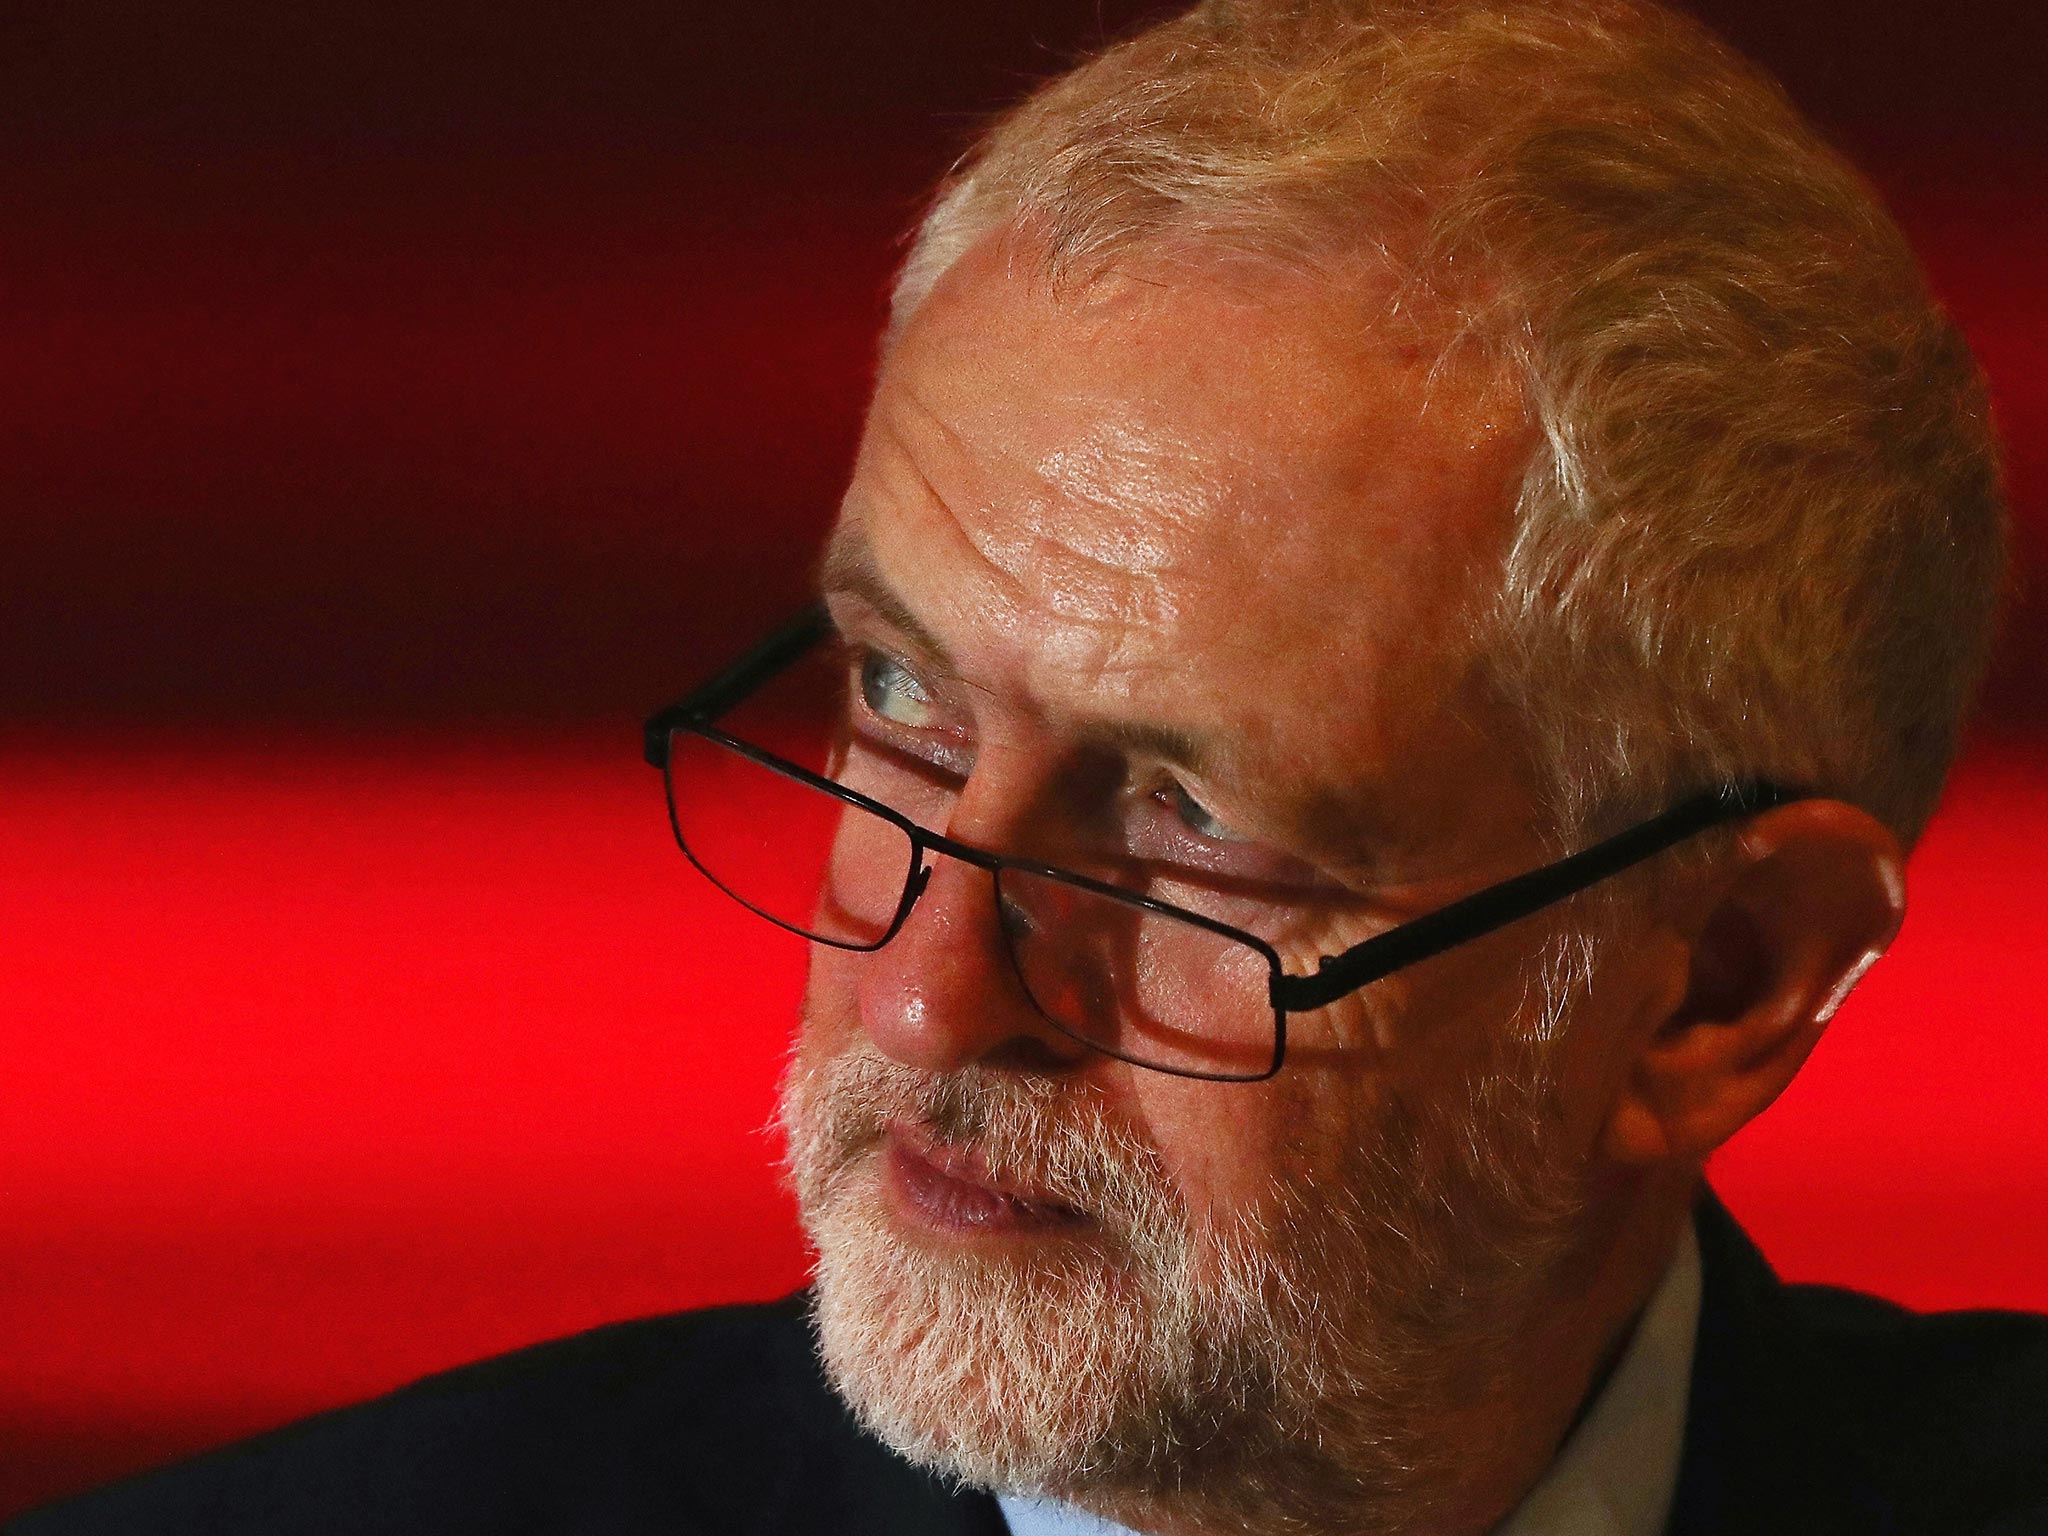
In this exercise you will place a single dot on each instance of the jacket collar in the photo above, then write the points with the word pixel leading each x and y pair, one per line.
pixel 1764 1450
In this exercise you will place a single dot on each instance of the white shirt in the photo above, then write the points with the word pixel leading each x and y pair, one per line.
pixel 1615 1473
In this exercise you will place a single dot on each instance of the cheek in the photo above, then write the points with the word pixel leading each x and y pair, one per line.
pixel 1360 1032
pixel 1425 1027
pixel 831 1010
pixel 1231 1149
pixel 1368 1032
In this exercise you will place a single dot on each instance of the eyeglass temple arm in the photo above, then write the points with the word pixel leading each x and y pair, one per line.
pixel 1520 897
pixel 706 702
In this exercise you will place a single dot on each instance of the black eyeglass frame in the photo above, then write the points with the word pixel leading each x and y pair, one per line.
pixel 1336 976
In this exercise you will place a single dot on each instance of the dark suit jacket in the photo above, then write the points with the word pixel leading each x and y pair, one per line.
pixel 1813 1411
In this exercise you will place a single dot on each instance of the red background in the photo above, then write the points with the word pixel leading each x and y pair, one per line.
pixel 393 407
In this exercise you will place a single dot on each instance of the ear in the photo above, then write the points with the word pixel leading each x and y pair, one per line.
pixel 1812 894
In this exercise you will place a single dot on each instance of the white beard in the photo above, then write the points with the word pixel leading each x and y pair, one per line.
pixel 1283 1375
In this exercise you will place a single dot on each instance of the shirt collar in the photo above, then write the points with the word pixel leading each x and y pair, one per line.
pixel 1615 1473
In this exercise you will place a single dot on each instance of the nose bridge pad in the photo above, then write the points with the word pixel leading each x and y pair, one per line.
pixel 1020 931
pixel 1012 921
pixel 965 892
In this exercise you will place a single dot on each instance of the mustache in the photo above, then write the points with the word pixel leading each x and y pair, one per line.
pixel 1042 1135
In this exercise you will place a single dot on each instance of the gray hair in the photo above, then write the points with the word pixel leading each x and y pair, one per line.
pixel 1762 532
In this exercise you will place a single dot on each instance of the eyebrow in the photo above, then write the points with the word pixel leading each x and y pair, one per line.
pixel 849 567
pixel 1139 738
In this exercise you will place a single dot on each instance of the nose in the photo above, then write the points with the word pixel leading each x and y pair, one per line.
pixel 943 993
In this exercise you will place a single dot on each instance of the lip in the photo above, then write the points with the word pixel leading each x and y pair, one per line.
pixel 950 1190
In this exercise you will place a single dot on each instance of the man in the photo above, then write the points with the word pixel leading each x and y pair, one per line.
pixel 1328 463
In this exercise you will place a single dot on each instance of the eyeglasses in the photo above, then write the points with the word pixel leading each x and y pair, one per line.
pixel 800 833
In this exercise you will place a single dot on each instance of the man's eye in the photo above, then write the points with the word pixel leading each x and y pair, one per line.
pixel 1196 817
pixel 889 689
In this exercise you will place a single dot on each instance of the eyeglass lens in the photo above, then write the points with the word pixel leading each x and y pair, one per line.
pixel 1142 985
pixel 772 843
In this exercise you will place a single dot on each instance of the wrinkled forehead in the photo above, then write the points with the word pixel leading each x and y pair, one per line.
pixel 1183 479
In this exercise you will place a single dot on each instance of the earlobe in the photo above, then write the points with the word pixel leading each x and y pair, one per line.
pixel 1810 895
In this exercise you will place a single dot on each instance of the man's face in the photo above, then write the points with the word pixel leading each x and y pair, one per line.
pixel 1193 556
